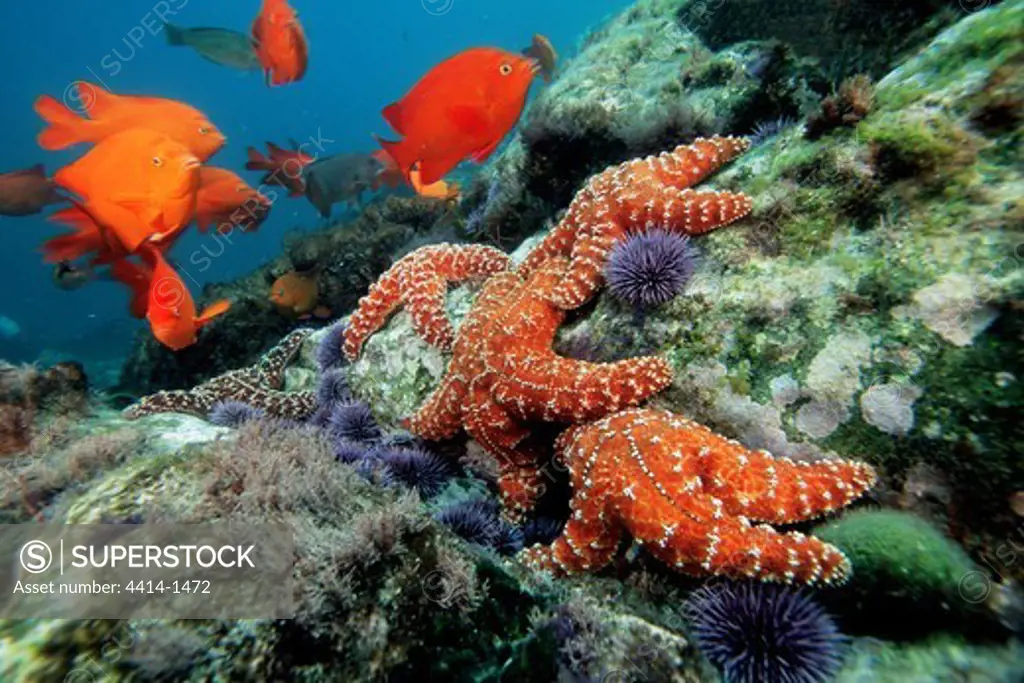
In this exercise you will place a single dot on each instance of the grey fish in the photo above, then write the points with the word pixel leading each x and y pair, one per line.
pixel 340 178
pixel 26 192
pixel 218 45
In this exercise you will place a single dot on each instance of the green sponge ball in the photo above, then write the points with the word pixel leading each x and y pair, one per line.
pixel 905 571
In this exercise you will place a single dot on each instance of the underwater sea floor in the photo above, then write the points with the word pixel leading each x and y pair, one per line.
pixel 864 314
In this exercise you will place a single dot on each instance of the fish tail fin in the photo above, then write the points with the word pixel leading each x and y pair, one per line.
pixel 175 35
pixel 212 311
pixel 256 161
pixel 400 153
pixel 65 127
pixel 85 239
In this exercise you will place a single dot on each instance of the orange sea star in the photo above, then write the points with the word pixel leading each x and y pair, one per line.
pixel 419 281
pixel 689 494
pixel 504 374
pixel 638 195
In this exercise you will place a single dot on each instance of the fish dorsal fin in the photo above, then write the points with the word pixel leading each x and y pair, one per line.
pixel 256 161
pixel 102 101
pixel 212 311
pixel 394 116
pixel 469 120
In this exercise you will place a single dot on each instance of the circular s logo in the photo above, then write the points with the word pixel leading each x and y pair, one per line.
pixel 36 557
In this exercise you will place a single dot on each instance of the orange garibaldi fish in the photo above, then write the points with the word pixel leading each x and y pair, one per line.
pixel 170 309
pixel 462 108
pixel 297 293
pixel 138 184
pixel 109 114
pixel 280 43
pixel 225 200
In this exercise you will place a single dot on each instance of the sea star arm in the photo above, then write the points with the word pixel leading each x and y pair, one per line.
pixel 681 490
pixel 440 417
pixel 173 401
pixel 425 304
pixel 373 310
pixel 638 195
pixel 761 487
pixel 686 165
pixel 274 362
pixel 519 476
pixel 586 544
pixel 419 281
pixel 555 389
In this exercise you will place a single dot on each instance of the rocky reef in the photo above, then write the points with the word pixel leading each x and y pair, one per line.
pixel 666 71
pixel 867 307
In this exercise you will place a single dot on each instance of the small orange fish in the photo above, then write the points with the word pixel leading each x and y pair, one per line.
pixel 280 43
pixel 139 184
pixel 462 108
pixel 391 176
pixel 439 190
pixel 26 192
pixel 170 309
pixel 225 200
pixel 297 293
pixel 283 166
pixel 110 114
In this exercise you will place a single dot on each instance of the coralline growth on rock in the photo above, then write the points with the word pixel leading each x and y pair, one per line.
pixel 419 281
pixel 689 495
pixel 638 195
pixel 846 107
pixel 257 386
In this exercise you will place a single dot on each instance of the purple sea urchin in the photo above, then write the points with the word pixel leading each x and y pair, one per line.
pixel 543 530
pixel 477 521
pixel 415 468
pixel 234 414
pixel 328 351
pixel 332 389
pixel 348 452
pixel 353 422
pixel 765 633
pixel 649 268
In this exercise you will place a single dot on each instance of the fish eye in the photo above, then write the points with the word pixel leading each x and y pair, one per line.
pixel 505 69
pixel 158 162
pixel 203 130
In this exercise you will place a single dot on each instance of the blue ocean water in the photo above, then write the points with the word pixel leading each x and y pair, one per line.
pixel 363 56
